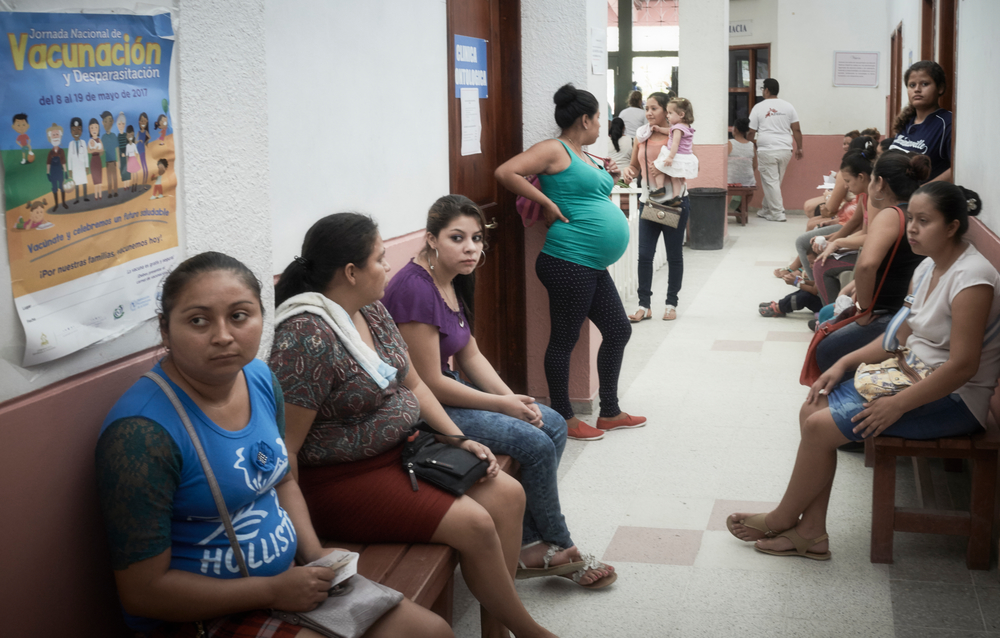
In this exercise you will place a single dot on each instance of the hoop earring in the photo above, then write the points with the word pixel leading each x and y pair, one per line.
pixel 482 259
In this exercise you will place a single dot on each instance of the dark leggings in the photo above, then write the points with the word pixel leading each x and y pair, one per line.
pixel 798 300
pixel 576 293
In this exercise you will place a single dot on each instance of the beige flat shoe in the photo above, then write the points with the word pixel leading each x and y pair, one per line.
pixel 670 313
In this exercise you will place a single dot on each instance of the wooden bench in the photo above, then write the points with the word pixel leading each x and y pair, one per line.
pixel 50 437
pixel 742 211
pixel 977 524
pixel 981 449
pixel 424 573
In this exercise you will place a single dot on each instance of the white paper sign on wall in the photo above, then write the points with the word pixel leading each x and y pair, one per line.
pixel 857 69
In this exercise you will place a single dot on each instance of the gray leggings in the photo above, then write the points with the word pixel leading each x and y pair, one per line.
pixel 802 244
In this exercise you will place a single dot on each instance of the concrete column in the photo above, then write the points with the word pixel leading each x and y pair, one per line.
pixel 703 79
pixel 555 49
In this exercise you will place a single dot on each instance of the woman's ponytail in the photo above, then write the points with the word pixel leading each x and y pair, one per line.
pixel 329 245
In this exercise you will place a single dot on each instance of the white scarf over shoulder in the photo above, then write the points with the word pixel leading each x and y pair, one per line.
pixel 340 322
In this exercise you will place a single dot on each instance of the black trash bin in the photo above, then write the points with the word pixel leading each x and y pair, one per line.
pixel 708 218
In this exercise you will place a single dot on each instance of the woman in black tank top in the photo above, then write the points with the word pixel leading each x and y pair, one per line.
pixel 894 178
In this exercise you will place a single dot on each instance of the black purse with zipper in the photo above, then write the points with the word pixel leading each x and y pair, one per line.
pixel 450 468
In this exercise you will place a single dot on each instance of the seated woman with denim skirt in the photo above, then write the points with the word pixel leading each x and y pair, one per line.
pixel 952 327
pixel 431 300
pixel 173 561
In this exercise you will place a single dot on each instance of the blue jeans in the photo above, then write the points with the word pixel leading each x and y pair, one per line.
pixel 673 241
pixel 539 451
pixel 945 417
pixel 848 339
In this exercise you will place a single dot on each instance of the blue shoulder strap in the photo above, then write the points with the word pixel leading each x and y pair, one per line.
pixel 889 341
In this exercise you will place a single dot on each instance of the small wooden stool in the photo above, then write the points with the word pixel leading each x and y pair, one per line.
pixel 742 211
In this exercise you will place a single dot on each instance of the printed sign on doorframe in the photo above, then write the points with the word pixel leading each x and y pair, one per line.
pixel 470 65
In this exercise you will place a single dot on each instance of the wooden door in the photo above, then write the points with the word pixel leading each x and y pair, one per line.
pixel 500 299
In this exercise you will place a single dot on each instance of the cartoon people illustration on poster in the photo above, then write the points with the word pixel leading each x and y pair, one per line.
pixel 122 157
pixel 76 159
pixel 161 167
pixel 21 125
pixel 55 164
pixel 96 150
pixel 161 125
pixel 110 142
pixel 142 139
pixel 36 217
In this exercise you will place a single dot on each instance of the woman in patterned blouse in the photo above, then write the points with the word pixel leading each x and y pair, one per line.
pixel 350 398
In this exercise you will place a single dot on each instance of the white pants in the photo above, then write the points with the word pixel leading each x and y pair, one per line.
pixel 772 165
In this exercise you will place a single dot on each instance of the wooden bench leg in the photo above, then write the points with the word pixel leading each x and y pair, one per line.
pixel 883 507
pixel 984 476
pixel 445 602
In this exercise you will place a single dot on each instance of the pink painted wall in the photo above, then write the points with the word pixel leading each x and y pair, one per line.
pixel 55 548
pixel 712 165
pixel 400 250
pixel 822 154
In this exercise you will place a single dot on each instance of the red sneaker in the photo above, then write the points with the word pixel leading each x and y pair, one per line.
pixel 627 421
pixel 584 432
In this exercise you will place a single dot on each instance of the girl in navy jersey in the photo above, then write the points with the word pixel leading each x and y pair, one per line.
pixel 923 127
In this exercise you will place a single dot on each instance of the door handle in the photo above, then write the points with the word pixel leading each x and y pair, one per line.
pixel 493 224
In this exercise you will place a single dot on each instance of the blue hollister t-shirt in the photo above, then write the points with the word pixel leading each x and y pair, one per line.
pixel 161 461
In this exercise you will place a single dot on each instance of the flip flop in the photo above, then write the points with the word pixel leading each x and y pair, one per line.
pixel 590 562
pixel 802 546
pixel 753 522
pixel 646 313
pixel 525 572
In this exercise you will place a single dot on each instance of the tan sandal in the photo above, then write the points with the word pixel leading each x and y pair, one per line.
pixel 755 522
pixel 801 546
pixel 640 315
pixel 670 313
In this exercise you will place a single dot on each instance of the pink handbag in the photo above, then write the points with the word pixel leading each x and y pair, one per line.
pixel 529 210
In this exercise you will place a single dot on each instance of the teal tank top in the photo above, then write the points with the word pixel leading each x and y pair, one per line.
pixel 597 233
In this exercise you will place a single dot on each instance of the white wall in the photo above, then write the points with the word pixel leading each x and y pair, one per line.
pixel 976 125
pixel 803 38
pixel 764 14
pixel 810 32
pixel 221 117
pixel 357 93
pixel 554 51
pixel 704 64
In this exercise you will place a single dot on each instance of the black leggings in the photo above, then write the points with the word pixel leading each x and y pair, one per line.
pixel 576 293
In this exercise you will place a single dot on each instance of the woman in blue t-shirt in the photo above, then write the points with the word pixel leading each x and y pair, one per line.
pixel 432 301
pixel 587 233
pixel 923 127
pixel 174 565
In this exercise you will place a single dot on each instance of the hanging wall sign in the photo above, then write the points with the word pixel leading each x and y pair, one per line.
pixel 855 68
pixel 470 65
pixel 89 173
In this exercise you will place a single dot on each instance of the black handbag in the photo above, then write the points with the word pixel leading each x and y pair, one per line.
pixel 450 468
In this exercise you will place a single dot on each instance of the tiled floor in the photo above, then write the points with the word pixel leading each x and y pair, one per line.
pixel 720 387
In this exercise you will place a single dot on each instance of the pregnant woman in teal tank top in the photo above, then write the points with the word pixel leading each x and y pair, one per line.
pixel 587 233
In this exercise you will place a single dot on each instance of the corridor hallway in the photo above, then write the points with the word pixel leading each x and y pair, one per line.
pixel 720 389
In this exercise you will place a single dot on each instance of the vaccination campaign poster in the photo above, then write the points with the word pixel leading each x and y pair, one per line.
pixel 89 173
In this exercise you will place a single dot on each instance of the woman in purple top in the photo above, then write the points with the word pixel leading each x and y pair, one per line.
pixel 431 300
